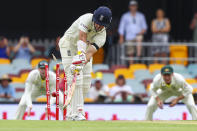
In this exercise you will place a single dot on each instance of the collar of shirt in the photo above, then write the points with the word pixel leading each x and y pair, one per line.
pixel 163 84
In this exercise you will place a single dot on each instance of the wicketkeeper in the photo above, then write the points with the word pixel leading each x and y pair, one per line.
pixel 35 86
pixel 79 43
pixel 169 84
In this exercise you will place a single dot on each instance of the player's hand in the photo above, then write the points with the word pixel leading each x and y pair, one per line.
pixel 159 103
pixel 75 68
pixel 29 111
pixel 174 102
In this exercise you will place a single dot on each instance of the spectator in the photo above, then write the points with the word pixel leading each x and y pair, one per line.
pixel 160 28
pixel 4 48
pixel 121 92
pixel 55 50
pixel 6 90
pixel 132 28
pixel 98 92
pixel 193 26
pixel 24 49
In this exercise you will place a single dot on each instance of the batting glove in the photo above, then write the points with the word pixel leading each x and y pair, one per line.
pixel 79 59
pixel 75 68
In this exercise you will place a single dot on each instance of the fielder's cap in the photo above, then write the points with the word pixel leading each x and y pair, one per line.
pixel 5 77
pixel 133 2
pixel 42 64
pixel 167 70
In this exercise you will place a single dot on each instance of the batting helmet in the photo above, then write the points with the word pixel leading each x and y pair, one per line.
pixel 102 16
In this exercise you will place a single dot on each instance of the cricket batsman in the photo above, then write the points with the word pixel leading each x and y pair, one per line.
pixel 169 84
pixel 80 42
pixel 35 86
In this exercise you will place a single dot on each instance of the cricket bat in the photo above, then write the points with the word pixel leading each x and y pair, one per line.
pixel 71 91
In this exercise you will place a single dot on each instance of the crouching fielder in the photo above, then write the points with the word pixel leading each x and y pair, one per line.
pixel 169 84
pixel 84 37
pixel 35 86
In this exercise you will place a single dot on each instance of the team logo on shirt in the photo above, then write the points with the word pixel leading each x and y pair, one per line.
pixel 84 26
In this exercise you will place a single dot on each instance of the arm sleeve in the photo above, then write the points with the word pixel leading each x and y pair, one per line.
pixel 144 24
pixel 153 88
pixel 121 28
pixel 100 39
pixel 186 88
pixel 83 24
pixel 28 89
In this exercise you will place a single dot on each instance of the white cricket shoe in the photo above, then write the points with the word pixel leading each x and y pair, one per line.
pixel 79 117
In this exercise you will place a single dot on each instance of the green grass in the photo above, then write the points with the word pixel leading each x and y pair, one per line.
pixel 11 125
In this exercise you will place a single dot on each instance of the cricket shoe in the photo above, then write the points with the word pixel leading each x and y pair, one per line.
pixel 79 117
pixel 69 118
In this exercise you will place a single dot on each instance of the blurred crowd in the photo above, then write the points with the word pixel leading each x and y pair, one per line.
pixel 120 93
pixel 24 49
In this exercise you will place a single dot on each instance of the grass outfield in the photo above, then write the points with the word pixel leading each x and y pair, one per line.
pixel 11 125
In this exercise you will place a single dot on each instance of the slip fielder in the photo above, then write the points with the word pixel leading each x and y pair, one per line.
pixel 35 86
pixel 84 37
pixel 169 84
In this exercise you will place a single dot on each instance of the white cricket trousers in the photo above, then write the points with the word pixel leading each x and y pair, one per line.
pixel 68 49
pixel 152 105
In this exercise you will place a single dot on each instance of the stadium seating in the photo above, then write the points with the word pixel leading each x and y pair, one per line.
pixel 137 87
pixel 135 67
pixel 154 67
pixel 114 67
pixel 98 67
pixel 111 85
pixel 191 81
pixel 21 64
pixel 142 75
pixel 18 85
pixel 89 100
pixel 4 61
pixel 21 78
pixel 35 61
pixel 192 69
pixel 125 72
pixel 5 69
pixel 108 78
pixel 180 69
pixel 156 73
pixel 138 76
pixel 177 51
